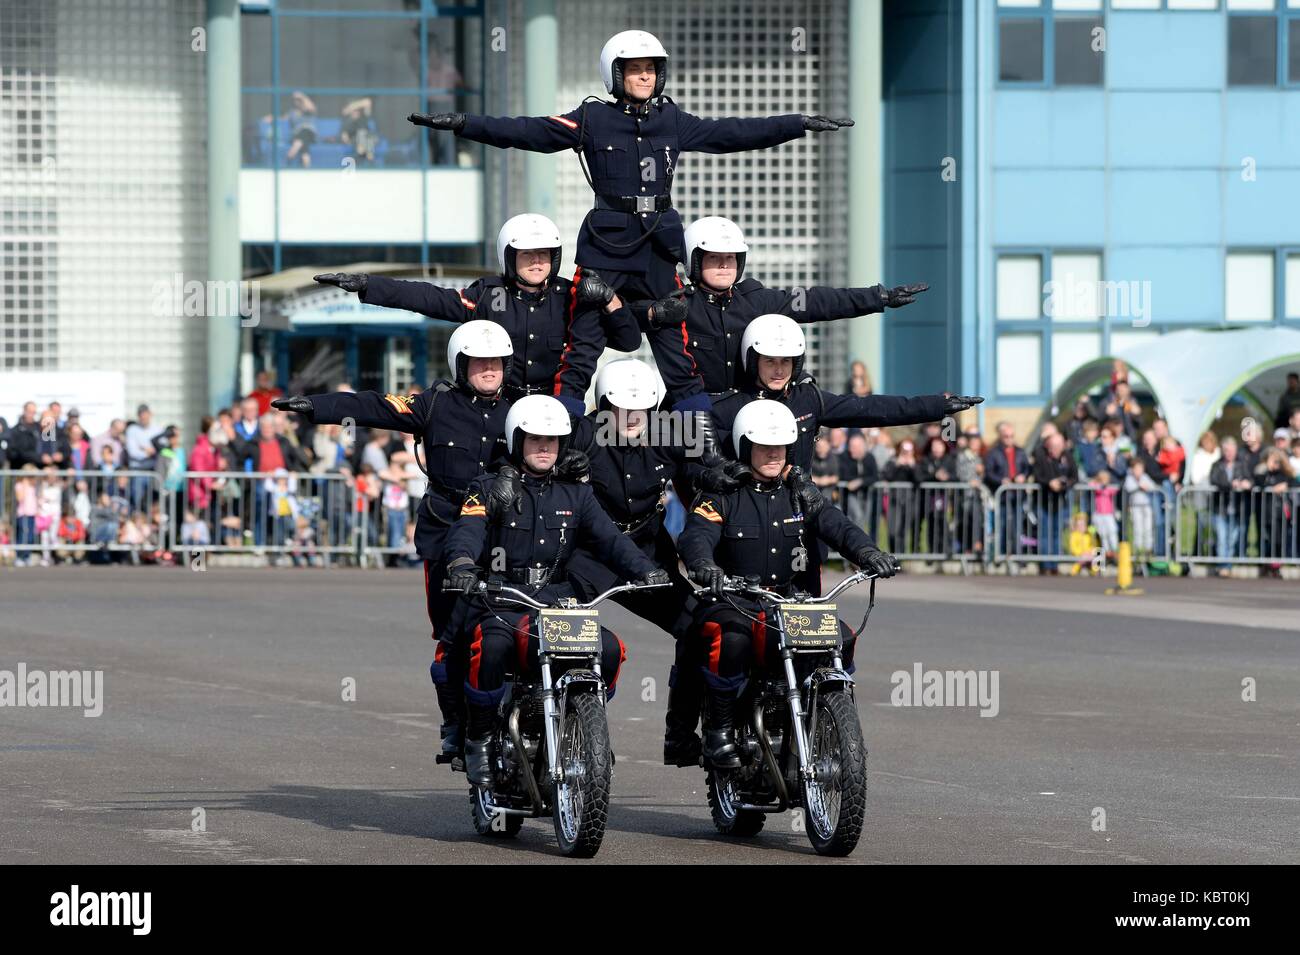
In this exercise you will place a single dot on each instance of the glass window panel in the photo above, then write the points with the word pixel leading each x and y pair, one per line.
pixel 360 53
pixel 255 50
pixel 1122 341
pixel 1248 287
pixel 256 129
pixel 1250 4
pixel 1252 51
pixel 1020 49
pixel 1135 4
pixel 1019 362
pixel 1077 64
pixel 1019 3
pixel 1193 4
pixel 1076 4
pixel 1293 286
pixel 1293 50
pixel 1076 285
pixel 1019 287
pixel 1070 350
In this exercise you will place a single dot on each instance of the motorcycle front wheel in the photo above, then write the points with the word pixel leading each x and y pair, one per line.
pixel 835 799
pixel 581 803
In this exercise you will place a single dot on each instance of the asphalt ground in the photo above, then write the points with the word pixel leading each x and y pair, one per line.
pixel 222 692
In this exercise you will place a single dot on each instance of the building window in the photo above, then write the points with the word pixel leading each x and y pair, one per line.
pixel 1248 287
pixel 1019 360
pixel 1074 292
pixel 1252 51
pixel 1292 298
pixel 1038 39
pixel 1070 350
pixel 1019 288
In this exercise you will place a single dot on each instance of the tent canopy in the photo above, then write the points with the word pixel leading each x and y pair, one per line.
pixel 1194 373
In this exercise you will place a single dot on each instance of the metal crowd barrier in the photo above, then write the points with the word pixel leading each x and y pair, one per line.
pixel 1255 526
pixel 314 519
pixel 1033 524
pixel 35 502
pixel 929 521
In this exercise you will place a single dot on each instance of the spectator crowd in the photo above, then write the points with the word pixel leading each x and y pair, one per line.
pixel 1109 472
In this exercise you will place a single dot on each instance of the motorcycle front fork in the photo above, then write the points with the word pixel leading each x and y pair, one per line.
pixel 553 719
pixel 802 733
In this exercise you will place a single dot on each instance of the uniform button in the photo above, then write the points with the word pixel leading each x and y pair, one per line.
pixel 693 344
pixel 643 188
pixel 638 139
pixel 530 308
pixel 728 364
pixel 774 523
pixel 530 361
pixel 484 438
pixel 512 523
pixel 609 147
pixel 774 550
pixel 728 334
pixel 627 476
pixel 480 464
pixel 740 533
pixel 774 576
pixel 451 444
pixel 541 540
pixel 530 336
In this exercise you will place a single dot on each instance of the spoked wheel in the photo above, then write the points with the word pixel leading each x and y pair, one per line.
pixel 582 794
pixel 489 823
pixel 724 803
pixel 835 799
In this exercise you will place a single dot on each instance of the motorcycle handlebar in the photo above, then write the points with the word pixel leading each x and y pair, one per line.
pixel 506 592
pixel 744 587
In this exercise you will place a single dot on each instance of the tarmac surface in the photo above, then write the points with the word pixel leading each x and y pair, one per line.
pixel 222 692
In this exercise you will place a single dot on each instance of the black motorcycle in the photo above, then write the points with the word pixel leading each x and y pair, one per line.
pixel 551 752
pixel 802 744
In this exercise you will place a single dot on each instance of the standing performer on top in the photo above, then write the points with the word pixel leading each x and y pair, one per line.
pixel 629 148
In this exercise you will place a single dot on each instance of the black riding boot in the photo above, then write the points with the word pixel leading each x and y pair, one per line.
pixel 451 700
pixel 685 689
pixel 720 750
pixel 478 746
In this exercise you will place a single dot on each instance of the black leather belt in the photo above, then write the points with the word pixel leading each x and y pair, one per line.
pixel 634 204
pixel 529 576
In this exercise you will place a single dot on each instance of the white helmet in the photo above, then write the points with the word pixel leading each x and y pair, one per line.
pixel 714 234
pixel 762 422
pixel 629 383
pixel 535 414
pixel 776 336
pixel 528 231
pixel 631 45
pixel 478 339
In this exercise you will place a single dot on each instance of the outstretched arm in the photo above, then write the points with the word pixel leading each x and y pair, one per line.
pixel 821 303
pixel 541 134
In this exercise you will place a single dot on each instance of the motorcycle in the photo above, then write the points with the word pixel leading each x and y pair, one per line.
pixel 551 752
pixel 801 744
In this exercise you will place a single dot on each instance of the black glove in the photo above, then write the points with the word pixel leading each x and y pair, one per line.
pixel 593 290
pixel 348 281
pixel 667 312
pixel 708 574
pixel 453 121
pixel 297 404
pixel 506 492
pixel 822 124
pixel 462 574
pixel 876 561
pixel 724 477
pixel 573 466
pixel 806 494
pixel 954 403
pixel 706 435
pixel 656 576
pixel 901 295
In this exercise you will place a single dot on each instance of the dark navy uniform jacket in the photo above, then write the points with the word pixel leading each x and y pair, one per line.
pixel 557 517
pixel 463 435
pixel 814 408
pixel 557 342
pixel 755 531
pixel 631 151
pixel 701 356
pixel 630 479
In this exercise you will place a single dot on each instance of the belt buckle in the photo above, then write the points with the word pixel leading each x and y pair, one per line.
pixel 645 203
pixel 536 576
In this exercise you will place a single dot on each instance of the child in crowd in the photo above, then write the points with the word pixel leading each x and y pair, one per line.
pixel 6 539
pixel 304 543
pixel 1082 544
pixel 1138 488
pixel 194 532
pixel 1103 512
pixel 72 534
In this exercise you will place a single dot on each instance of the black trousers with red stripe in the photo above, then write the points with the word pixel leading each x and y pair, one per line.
pixel 448 667
pixel 734 643
pixel 505 643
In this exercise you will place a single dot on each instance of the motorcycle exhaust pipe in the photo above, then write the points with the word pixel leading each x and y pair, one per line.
pixel 512 725
pixel 770 758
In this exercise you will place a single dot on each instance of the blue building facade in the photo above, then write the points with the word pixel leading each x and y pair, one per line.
pixel 1077 176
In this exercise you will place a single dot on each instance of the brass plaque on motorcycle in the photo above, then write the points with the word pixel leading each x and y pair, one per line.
pixel 569 632
pixel 811 626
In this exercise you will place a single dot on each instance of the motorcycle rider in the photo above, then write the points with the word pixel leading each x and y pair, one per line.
pixel 559 327
pixel 633 459
pixel 528 546
pixel 629 148
pixel 461 424
pixel 755 525
pixel 696 338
